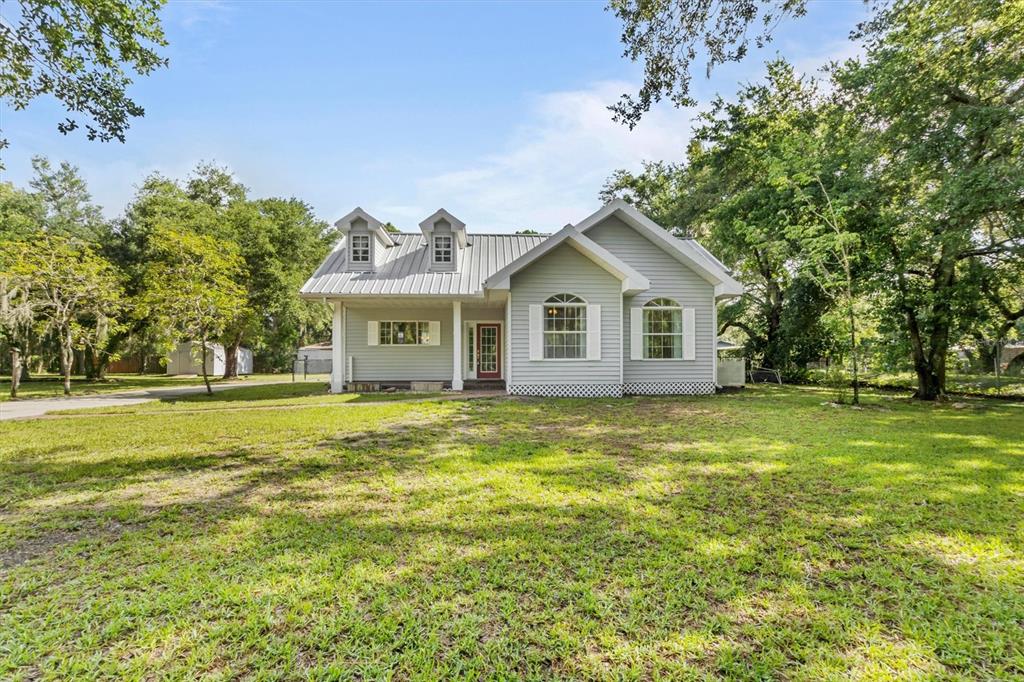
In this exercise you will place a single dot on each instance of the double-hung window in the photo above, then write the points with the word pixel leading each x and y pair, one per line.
pixel 359 249
pixel 565 327
pixel 443 249
pixel 662 330
pixel 396 333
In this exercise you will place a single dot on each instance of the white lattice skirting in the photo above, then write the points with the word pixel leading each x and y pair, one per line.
pixel 669 388
pixel 568 390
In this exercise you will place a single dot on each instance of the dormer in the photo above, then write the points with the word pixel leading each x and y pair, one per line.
pixel 365 240
pixel 445 237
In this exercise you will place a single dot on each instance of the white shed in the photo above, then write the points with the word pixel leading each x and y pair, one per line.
pixel 186 359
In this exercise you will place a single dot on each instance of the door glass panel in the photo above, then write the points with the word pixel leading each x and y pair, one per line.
pixel 488 350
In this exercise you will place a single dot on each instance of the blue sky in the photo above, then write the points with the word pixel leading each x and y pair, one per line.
pixel 494 111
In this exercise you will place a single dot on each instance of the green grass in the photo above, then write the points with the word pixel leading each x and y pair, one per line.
pixel 52 386
pixel 956 383
pixel 298 394
pixel 758 535
pixel 978 384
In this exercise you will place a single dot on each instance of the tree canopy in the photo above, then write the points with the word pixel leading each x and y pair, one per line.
pixel 904 175
pixel 668 36
pixel 83 53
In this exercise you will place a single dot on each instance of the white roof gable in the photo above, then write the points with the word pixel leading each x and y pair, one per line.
pixel 458 227
pixel 687 251
pixel 632 281
pixel 344 225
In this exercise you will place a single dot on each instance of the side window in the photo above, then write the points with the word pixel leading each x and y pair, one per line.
pixel 663 330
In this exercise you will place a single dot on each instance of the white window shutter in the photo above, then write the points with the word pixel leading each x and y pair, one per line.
pixel 593 332
pixel 689 335
pixel 435 334
pixel 636 333
pixel 372 333
pixel 536 332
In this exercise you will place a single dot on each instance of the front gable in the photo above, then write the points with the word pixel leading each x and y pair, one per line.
pixel 631 280
pixel 686 251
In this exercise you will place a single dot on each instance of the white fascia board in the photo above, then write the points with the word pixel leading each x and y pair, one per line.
pixel 344 224
pixel 729 289
pixel 683 252
pixel 502 278
pixel 458 227
pixel 632 281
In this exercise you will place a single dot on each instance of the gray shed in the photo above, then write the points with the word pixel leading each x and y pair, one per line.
pixel 317 358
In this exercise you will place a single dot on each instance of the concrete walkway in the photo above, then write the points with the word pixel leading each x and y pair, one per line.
pixel 27 409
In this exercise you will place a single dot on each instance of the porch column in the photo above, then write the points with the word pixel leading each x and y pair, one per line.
pixel 456 345
pixel 338 349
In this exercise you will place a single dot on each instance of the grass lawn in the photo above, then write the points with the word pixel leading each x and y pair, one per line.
pixel 956 383
pixel 756 535
pixel 52 386
pixel 258 397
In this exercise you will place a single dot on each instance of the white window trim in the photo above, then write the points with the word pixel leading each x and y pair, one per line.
pixel 404 345
pixel 543 332
pixel 352 247
pixel 644 333
pixel 682 334
pixel 450 248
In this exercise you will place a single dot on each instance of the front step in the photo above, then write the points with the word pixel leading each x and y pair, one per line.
pixel 483 385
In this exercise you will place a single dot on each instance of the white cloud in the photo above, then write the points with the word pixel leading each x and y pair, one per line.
pixel 550 171
pixel 198 13
pixel 836 51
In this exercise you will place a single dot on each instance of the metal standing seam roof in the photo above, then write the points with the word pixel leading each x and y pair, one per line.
pixel 406 268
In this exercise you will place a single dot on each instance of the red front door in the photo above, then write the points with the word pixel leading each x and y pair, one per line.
pixel 488 351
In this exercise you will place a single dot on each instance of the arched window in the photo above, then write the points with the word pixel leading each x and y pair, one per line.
pixel 663 330
pixel 565 327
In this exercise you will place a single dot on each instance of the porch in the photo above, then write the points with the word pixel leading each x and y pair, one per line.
pixel 392 341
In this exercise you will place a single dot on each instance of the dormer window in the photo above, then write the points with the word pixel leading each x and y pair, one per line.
pixel 442 249
pixel 359 249
pixel 444 237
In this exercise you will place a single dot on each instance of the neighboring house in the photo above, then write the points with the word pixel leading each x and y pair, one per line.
pixel 186 358
pixel 314 359
pixel 613 305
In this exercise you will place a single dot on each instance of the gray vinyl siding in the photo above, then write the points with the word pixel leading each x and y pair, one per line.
pixel 398 363
pixel 671 279
pixel 565 270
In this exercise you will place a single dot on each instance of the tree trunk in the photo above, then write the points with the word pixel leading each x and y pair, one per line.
pixel 853 341
pixel 96 354
pixel 231 358
pixel 206 376
pixel 772 359
pixel 67 357
pixel 15 371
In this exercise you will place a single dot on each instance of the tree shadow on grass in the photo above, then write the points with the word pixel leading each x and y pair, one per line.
pixel 646 545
